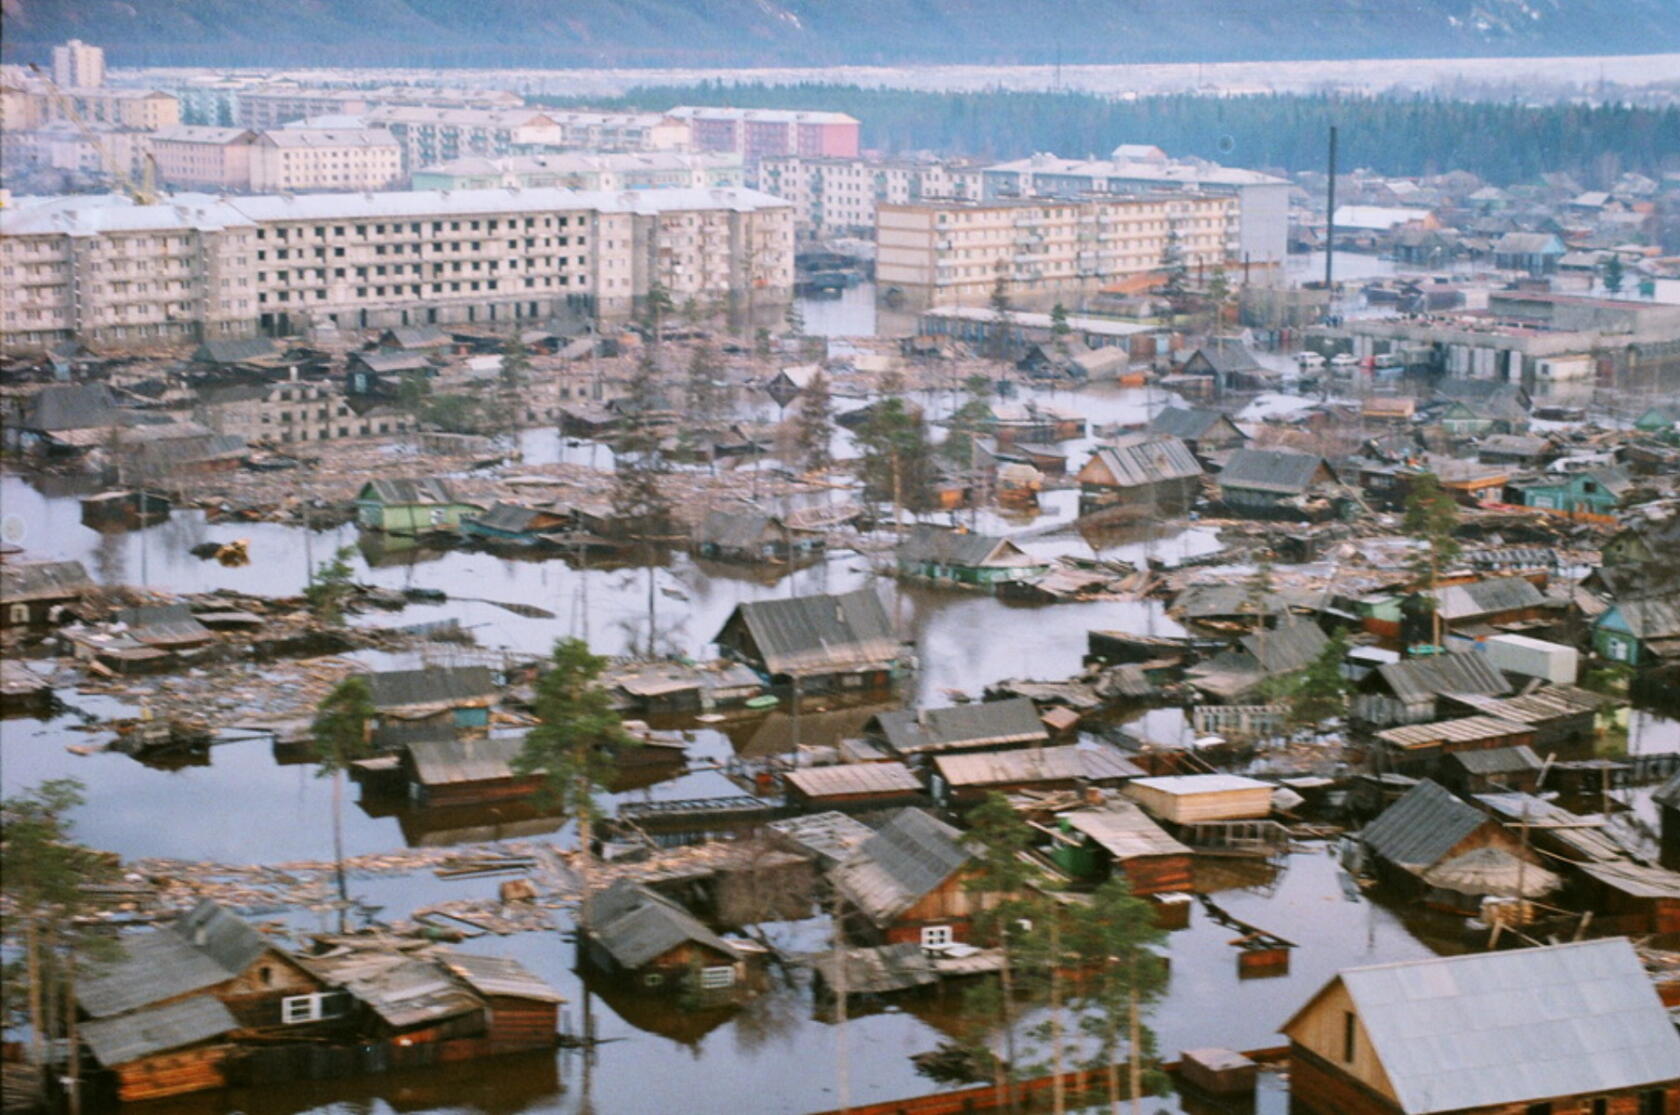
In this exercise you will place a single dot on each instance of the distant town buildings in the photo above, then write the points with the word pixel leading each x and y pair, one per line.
pixel 756 134
pixel 628 170
pixel 838 196
pixel 295 159
pixel 199 267
pixel 1262 200
pixel 952 253
pixel 76 65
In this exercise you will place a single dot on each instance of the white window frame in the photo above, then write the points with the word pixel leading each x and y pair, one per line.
pixel 298 1009
pixel 716 977
pixel 937 936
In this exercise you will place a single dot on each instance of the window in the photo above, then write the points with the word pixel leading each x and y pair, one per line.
pixel 1654 1102
pixel 1350 1035
pixel 20 613
pixel 1539 1109
pixel 713 978
pixel 312 1008
pixel 936 936
pixel 1601 1106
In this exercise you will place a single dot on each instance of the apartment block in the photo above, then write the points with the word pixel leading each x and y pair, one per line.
pixel 439 135
pixel 625 170
pixel 756 134
pixel 140 109
pixel 325 159
pixel 197 157
pixel 76 65
pixel 104 270
pixel 621 131
pixel 838 196
pixel 94 152
pixel 1263 200
pixel 951 253
pixel 274 104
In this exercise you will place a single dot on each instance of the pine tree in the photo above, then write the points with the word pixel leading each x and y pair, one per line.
pixel 999 346
pixel 1060 330
pixel 656 308
pixel 969 421
pixel 577 736
pixel 761 343
pixel 998 880
pixel 1176 275
pixel 1431 517
pixel 897 462
pixel 1613 273
pixel 331 586
pixel 516 362
pixel 638 501
pixel 814 425
pixel 1219 292
pixel 701 394
pixel 1114 939
pixel 343 733
pixel 1320 691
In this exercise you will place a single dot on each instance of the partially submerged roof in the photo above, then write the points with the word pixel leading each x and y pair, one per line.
pixel 1495 761
pixel 637 925
pixel 947 546
pixel 1036 764
pixel 830 836
pixel 42 580
pixel 408 490
pixel 204 947
pixel 1501 1028
pixel 1191 423
pixel 1465 729
pixel 1422 827
pixel 909 856
pixel 874 970
pixel 433 685
pixel 117 1041
pixel 811 634
pixel 982 724
pixel 440 762
pixel 1271 470
pixel 498 976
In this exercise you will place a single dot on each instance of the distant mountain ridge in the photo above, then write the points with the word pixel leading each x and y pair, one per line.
pixel 741 33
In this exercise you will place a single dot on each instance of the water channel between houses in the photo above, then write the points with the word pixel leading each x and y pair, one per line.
pixel 772 1055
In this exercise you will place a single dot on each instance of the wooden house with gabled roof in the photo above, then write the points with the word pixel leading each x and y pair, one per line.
pixel 907 882
pixel 962 557
pixel 1154 473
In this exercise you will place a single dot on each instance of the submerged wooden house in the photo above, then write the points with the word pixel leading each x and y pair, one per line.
pixel 907 883
pixel 410 506
pixel 964 780
pixel 753 537
pixel 1094 844
pixel 1145 474
pixel 834 642
pixel 1455 855
pixel 463 694
pixel 1186 799
pixel 40 594
pixel 634 931
pixel 1531 1031
pixel 961 557
pixel 466 771
pixel 981 726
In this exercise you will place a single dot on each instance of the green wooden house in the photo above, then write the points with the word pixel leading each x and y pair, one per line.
pixel 1598 491
pixel 1642 541
pixel 410 506
pixel 1639 632
pixel 962 557
pixel 1664 418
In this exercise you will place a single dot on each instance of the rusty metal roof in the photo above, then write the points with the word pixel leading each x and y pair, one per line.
pixel 1036 764
pixel 854 778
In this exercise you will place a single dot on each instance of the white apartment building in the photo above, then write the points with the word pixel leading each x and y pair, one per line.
pixel 274 104
pixel 578 170
pixel 621 131
pixel 140 109
pixel 104 270
pixel 1263 200
pixel 437 135
pixel 951 253
pixel 834 197
pixel 325 159
pixel 75 65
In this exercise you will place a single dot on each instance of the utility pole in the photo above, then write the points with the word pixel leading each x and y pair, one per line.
pixel 842 1066
pixel 1330 219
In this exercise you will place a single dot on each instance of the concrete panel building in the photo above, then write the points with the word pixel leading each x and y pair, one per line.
pixel 951 253
pixel 104 270
pixel 437 135
pixel 76 65
pixel 623 170
pixel 1262 200
pixel 756 133
pixel 325 159
pixel 835 196
pixel 199 157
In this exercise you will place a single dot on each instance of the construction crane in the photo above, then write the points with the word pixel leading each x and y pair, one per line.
pixel 144 191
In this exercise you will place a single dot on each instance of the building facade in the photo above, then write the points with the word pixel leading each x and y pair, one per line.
pixel 203 157
pixel 837 196
pixel 437 135
pixel 585 170
pixel 951 253
pixel 755 133
pixel 325 159
pixel 1262 216
pixel 101 269
pixel 76 65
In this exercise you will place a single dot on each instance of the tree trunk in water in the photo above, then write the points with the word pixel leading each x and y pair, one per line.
pixel 1135 1019
pixel 1007 1008
pixel 1113 1068
pixel 73 1040
pixel 842 1066
pixel 37 1006
pixel 338 847
pixel 1058 1087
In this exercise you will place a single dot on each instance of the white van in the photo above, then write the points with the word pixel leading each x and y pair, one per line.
pixel 1308 361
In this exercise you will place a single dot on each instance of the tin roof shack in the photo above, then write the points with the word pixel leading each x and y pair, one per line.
pixel 1188 799
pixel 511 524
pixel 1594 491
pixel 38 594
pixel 632 931
pixel 983 726
pixel 1420 750
pixel 399 998
pixel 1529 1030
pixel 1667 799
pixel 466 771
pixel 962 781
pixel 113 512
pixel 462 693
pixel 825 641
pixel 1411 691
pixel 1141 474
pixel 410 506
pixel 754 536
pixel 960 557
pixel 1092 844
pixel 1261 658
pixel 1231 366
pixel 1494 768
pixel 1422 844
pixel 1561 716
pixel 907 883
pixel 1203 430
pixel 1639 633
pixel 1632 898
pixel 163 1011
pixel 1276 483
pixel 854 786
pixel 521 1011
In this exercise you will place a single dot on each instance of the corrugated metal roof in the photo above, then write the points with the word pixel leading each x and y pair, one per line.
pixel 1286 648
pixel 434 685
pixel 1189 423
pixel 946 546
pixel 237 351
pixel 1141 459
pixel 809 634
pixel 1416 679
pixel 1466 729
pixel 854 778
pixel 408 490
pixel 1036 764
pixel 117 1041
pixel 42 580
pixel 441 762
pixel 909 855
pixel 985 724
pixel 1480 598
pixel 831 836
pixel 204 947
pixel 498 975
pixel 1270 470
pixel 637 925
pixel 1457 1033
pixel 1636 879
pixel 1556 824
pixel 1422 827
pixel 1498 760
pixel 1541 705
pixel 1125 831
pixel 1656 618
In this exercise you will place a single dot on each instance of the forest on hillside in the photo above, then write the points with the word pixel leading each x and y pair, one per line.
pixel 1413 135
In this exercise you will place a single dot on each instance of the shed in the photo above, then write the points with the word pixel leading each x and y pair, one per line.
pixel 633 930
pixel 1184 799
pixel 1093 843
pixel 1411 691
pixel 466 771
pixel 875 971
pixel 410 505
pixel 854 785
pixel 36 593
pixel 167 1050
pixel 522 1010
pixel 1201 429
pixel 1427 827
pixel 754 536
pixel 830 838
pixel 905 883
pixel 1552 1027
pixel 1633 898
pixel 971 727
pixel 966 779
pixel 1261 480
pixel 964 558
pixel 846 638
pixel 467 692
